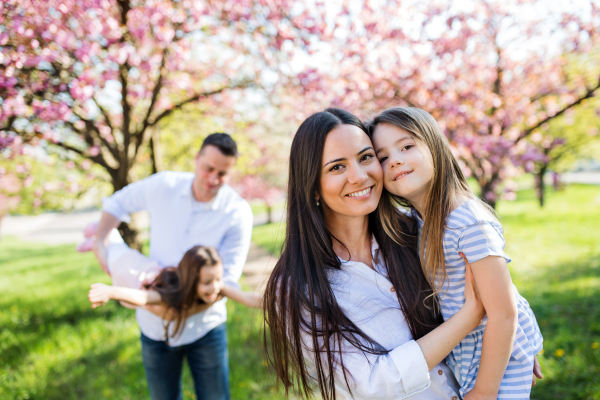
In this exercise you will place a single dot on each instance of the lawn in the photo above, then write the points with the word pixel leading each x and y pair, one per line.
pixel 54 346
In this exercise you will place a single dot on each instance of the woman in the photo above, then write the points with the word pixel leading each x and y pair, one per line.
pixel 345 305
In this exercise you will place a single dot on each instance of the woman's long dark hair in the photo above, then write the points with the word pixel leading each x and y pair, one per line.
pixel 299 303
pixel 178 286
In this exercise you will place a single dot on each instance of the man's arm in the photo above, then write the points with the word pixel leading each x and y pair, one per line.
pixel 107 223
pixel 116 208
pixel 235 245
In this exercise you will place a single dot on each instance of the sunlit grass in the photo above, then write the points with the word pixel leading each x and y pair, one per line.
pixel 54 346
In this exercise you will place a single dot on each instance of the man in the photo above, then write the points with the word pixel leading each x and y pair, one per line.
pixel 186 210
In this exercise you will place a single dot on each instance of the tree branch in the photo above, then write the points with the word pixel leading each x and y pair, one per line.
pixel 155 93
pixel 91 127
pixel 196 97
pixel 97 159
pixel 589 94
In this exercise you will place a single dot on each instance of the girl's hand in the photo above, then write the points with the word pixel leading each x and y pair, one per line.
pixel 472 298
pixel 537 371
pixel 99 294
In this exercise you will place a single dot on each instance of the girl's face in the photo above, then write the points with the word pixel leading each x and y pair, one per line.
pixel 209 283
pixel 350 173
pixel 407 168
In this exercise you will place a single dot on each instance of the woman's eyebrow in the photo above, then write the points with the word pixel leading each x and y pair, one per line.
pixel 344 158
pixel 334 161
pixel 365 149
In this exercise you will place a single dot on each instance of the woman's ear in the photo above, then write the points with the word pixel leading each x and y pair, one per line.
pixel 317 198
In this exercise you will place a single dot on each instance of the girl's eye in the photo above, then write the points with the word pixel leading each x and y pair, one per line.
pixel 382 159
pixel 408 147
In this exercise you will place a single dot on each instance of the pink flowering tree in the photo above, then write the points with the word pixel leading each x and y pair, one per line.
pixel 94 77
pixel 491 73
pixel 91 80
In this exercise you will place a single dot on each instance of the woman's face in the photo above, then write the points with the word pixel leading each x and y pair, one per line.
pixel 209 283
pixel 351 177
pixel 407 168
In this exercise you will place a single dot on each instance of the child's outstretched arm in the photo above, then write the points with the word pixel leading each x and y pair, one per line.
pixel 249 299
pixel 495 287
pixel 100 294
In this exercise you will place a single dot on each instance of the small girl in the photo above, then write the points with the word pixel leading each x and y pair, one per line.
pixel 187 289
pixel 421 173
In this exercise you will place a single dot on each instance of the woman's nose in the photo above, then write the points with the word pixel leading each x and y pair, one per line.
pixel 357 174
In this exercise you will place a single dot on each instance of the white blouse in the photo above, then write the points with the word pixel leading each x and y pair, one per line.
pixel 369 300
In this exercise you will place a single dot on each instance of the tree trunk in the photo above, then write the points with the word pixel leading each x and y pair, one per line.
pixel 155 151
pixel 540 186
pixel 269 212
pixel 129 232
pixel 488 195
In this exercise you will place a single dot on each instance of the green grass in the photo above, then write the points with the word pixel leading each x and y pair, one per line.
pixel 54 346
pixel 269 237
pixel 556 266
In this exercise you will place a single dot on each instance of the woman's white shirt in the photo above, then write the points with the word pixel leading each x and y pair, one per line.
pixel 368 299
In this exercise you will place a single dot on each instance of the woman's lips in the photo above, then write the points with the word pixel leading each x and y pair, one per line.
pixel 361 194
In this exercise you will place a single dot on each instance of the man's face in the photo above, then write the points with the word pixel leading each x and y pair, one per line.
pixel 213 169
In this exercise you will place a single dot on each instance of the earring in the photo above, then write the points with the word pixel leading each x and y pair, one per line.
pixel 317 200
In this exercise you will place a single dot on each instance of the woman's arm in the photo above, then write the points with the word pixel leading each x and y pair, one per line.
pixel 500 304
pixel 249 299
pixel 100 294
pixel 404 370
pixel 437 344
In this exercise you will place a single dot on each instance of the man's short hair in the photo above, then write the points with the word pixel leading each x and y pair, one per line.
pixel 221 141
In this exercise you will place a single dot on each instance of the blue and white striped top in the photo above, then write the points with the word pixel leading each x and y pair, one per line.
pixel 472 230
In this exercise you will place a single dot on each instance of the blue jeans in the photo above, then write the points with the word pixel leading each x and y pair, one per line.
pixel 208 360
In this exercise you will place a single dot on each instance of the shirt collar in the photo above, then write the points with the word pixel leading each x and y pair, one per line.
pixel 212 204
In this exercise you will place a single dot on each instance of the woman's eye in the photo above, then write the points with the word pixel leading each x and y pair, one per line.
pixel 366 157
pixel 336 167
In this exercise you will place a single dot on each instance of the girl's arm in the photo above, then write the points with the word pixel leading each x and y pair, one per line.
pixel 100 294
pixel 437 344
pixel 249 299
pixel 500 305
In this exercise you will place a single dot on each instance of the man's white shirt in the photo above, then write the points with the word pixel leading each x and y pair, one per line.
pixel 177 223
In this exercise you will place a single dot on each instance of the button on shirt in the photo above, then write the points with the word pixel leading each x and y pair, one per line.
pixel 179 222
pixel 368 299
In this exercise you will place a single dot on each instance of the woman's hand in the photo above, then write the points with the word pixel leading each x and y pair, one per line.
pixel 472 298
pixel 99 294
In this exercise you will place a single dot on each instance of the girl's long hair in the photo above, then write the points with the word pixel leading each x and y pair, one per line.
pixel 445 187
pixel 302 315
pixel 178 287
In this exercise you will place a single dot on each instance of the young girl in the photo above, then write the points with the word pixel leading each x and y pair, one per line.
pixel 496 360
pixel 184 290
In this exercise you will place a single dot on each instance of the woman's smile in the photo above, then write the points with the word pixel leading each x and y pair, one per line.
pixel 361 194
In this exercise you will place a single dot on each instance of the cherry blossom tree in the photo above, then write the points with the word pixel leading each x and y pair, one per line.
pixel 95 77
pixel 490 72
pixel 92 79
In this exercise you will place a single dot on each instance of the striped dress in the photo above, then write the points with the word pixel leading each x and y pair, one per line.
pixel 473 231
